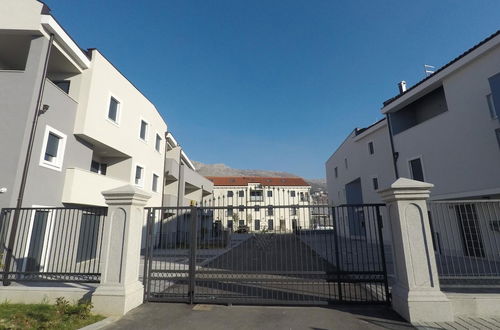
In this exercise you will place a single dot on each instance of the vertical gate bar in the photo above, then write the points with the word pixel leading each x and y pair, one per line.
pixel 147 255
pixel 381 242
pixel 192 251
pixel 337 255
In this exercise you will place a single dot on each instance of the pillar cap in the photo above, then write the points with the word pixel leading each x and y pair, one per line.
pixel 404 188
pixel 127 194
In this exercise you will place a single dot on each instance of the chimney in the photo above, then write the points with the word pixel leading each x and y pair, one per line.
pixel 402 87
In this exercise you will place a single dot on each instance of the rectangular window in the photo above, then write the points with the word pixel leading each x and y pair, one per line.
pixel 269 193
pixel 345 162
pixel 63 85
pixel 230 211
pixel 113 111
pixel 494 82
pixel 336 170
pixel 270 210
pixel 256 195
pixel 257 209
pixel 241 223
pixel 241 193
pixel 375 183
pixel 292 193
pixel 158 143
pixel 416 169
pixel 293 211
pixel 230 224
pixel 144 130
pixel 491 106
pixel 99 168
pixel 155 183
pixel 230 193
pixel 257 224
pixel 139 176
pixel 87 239
pixel 270 224
pixel 54 143
pixel 242 208
pixel 282 224
pixel 370 148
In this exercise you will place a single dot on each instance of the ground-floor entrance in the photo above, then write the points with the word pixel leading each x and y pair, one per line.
pixel 193 256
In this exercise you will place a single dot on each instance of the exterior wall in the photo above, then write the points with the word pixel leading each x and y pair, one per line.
pixel 99 84
pixel 361 164
pixel 460 152
pixel 30 20
pixel 281 197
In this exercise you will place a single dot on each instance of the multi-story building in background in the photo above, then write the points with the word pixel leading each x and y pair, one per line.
pixel 95 130
pixel 444 130
pixel 261 203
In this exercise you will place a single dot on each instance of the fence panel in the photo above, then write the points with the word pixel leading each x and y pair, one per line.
pixel 466 237
pixel 52 244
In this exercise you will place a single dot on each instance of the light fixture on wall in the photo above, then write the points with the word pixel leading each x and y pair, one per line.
pixel 44 109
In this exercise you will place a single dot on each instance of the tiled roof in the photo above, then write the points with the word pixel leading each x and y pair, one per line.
pixel 266 181
pixel 389 101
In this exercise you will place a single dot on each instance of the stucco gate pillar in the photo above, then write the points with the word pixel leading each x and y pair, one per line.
pixel 120 289
pixel 416 295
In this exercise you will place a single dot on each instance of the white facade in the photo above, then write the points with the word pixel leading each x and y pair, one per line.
pixel 250 204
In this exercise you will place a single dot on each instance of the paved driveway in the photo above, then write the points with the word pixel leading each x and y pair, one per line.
pixel 217 317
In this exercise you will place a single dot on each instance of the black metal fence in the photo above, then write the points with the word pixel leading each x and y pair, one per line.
pixel 466 237
pixel 276 255
pixel 51 244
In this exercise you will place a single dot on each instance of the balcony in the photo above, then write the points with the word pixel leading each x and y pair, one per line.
pixel 85 187
pixel 171 170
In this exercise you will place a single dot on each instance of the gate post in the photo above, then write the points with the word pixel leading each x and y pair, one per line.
pixel 416 295
pixel 193 238
pixel 120 289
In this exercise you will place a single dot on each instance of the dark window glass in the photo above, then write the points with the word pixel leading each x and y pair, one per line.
pixel 158 143
pixel 144 128
pixel 257 209
pixel 417 172
pixel 155 182
pixel 138 175
pixel 94 167
pixel 336 170
pixel 230 224
pixel 495 93
pixel 345 162
pixel 230 194
pixel 241 222
pixel 87 241
pixel 241 193
pixel 257 224
pixel 375 183
pixel 104 168
pixel 270 211
pixel 370 148
pixel 270 224
pixel 292 193
pixel 230 211
pixel 52 146
pixel 36 242
pixel 63 85
pixel 113 109
pixel 242 209
pixel 269 193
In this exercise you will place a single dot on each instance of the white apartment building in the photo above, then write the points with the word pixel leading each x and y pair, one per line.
pixel 261 203
pixel 445 130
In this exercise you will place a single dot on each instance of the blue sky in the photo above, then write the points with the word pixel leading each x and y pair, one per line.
pixel 273 84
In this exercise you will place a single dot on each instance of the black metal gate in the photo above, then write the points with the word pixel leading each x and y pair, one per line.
pixel 277 255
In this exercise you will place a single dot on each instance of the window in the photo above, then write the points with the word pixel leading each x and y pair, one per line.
pixel 269 193
pixel 230 211
pixel 375 183
pixel 54 143
pixel 336 170
pixel 370 148
pixel 257 209
pixel 230 193
pixel 270 210
pixel 256 195
pixel 63 85
pixel 345 163
pixel 230 224
pixel 292 193
pixel 293 211
pixel 143 134
pixel 155 183
pixel 158 142
pixel 416 169
pixel 241 193
pixel 99 168
pixel 88 237
pixel 257 224
pixel 139 175
pixel 491 106
pixel 114 110
pixel 242 208
pixel 270 224
pixel 282 224
pixel 241 222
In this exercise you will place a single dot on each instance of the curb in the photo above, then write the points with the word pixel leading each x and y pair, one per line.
pixel 101 324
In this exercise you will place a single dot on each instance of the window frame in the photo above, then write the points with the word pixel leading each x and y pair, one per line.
pixel 143 179
pixel 491 106
pixel 146 134
pixel 56 165
pixel 421 164
pixel 375 179
pixel 371 148
pixel 158 138
pixel 336 172
pixel 157 177
pixel 118 112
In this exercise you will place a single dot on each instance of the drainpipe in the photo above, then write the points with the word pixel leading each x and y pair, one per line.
pixel 27 159
pixel 394 153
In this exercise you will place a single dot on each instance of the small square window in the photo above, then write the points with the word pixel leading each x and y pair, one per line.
pixel 139 176
pixel 257 208
pixel 370 148
pixel 113 111
pixel 144 130
pixel 158 143
pixel 241 193
pixel 230 193
pixel 99 168
pixel 242 208
pixel 292 193
pixel 269 193
pixel 54 144
pixel 155 183
pixel 375 183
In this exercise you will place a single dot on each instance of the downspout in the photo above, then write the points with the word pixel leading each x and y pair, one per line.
pixel 15 221
pixel 395 155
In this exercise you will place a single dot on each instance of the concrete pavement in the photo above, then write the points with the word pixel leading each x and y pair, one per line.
pixel 217 317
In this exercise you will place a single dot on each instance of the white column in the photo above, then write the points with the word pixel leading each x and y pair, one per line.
pixel 120 289
pixel 416 295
